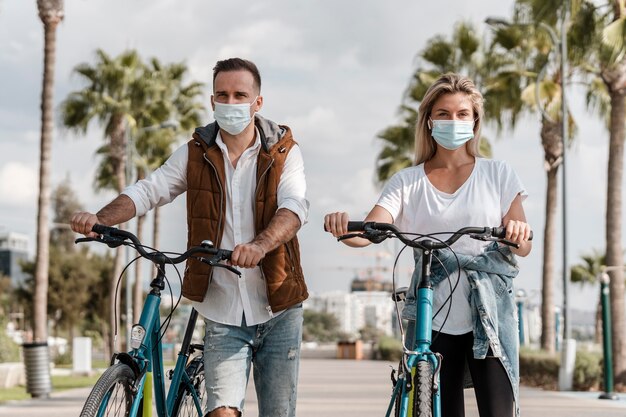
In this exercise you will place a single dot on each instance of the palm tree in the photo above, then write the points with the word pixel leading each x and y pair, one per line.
pixel 175 108
pixel 532 81
pixel 586 273
pixel 613 74
pixel 114 90
pixel 596 39
pixel 51 14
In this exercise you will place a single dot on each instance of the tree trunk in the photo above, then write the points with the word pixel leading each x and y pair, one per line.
pixel 551 141
pixel 548 331
pixel 114 303
pixel 614 251
pixel 119 156
pixel 43 231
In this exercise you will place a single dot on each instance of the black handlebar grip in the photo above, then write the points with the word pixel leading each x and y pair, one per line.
pixel 355 226
pixel 102 229
pixel 500 232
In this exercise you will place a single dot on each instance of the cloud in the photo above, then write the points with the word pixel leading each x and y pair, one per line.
pixel 18 184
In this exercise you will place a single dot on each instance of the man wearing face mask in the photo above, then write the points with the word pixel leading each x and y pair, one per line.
pixel 245 185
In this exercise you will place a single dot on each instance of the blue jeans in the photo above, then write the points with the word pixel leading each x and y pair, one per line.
pixel 272 347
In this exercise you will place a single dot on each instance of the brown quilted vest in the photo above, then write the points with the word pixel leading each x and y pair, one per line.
pixel 206 204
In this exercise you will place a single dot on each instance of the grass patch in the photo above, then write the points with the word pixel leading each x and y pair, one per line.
pixel 59 383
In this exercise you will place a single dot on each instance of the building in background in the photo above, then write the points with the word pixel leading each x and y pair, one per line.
pixel 13 251
pixel 365 306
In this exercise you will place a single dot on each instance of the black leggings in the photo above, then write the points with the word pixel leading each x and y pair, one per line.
pixel 491 383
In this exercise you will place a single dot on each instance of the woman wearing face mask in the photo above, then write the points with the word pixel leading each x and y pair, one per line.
pixel 451 186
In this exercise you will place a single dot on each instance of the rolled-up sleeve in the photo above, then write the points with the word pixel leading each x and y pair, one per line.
pixel 292 186
pixel 163 185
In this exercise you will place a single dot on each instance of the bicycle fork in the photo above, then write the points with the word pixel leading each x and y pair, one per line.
pixel 422 342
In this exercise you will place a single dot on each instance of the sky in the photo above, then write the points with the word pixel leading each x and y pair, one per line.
pixel 334 71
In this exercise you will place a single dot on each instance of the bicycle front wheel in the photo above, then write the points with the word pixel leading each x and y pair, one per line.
pixel 185 404
pixel 112 395
pixel 423 390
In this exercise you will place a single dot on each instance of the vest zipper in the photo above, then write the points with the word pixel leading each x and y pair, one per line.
pixel 219 220
pixel 256 194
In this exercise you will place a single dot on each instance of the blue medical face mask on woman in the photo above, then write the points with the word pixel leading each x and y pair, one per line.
pixel 233 118
pixel 452 134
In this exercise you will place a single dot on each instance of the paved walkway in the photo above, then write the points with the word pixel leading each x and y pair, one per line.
pixel 351 389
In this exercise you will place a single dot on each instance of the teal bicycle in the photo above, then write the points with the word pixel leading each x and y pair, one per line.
pixel 125 388
pixel 416 384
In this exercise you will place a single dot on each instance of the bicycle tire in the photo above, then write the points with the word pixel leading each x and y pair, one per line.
pixel 184 405
pixel 114 390
pixel 423 390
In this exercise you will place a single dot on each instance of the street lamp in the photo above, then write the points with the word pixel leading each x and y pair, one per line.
pixel 569 345
pixel 605 301
pixel 131 150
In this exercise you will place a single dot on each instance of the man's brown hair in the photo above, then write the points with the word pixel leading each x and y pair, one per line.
pixel 238 64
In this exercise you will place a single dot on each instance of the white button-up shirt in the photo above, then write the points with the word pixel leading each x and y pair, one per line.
pixel 228 296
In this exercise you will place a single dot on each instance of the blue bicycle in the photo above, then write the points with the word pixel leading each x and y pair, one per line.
pixel 416 382
pixel 125 388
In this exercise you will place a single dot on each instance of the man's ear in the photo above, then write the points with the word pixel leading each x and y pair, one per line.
pixel 258 103
pixel 212 102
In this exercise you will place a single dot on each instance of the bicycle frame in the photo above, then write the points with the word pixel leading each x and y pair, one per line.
pixel 148 358
pixel 137 370
pixel 421 344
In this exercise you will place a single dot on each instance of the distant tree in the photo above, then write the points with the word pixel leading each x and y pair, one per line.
pixel 320 327
pixel 64 204
pixel 370 333
pixel 586 273
pixel 51 14
pixel 114 94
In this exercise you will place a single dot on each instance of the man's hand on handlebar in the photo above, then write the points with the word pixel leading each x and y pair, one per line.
pixel 82 222
pixel 247 255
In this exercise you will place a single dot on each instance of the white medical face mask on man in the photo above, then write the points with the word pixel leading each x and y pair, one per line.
pixel 233 118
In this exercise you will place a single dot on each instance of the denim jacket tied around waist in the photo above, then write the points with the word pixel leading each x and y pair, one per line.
pixel 491 298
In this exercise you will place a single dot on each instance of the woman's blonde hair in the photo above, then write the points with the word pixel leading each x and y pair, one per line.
pixel 449 83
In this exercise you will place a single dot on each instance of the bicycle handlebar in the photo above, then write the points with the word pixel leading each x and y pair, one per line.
pixel 481 233
pixel 113 237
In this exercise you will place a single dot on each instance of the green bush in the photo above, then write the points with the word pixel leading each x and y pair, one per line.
pixel 538 368
pixel 9 350
pixel 541 369
pixel 63 358
pixel 389 348
pixel 588 372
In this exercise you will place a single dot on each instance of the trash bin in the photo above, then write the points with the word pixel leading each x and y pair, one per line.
pixel 37 366
pixel 350 349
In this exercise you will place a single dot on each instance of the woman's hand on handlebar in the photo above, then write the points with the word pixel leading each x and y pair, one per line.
pixel 336 223
pixel 82 222
pixel 519 232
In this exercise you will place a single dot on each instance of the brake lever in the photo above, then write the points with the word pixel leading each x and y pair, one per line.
pixel 110 241
pixel 374 236
pixel 350 236
pixel 215 263
pixel 486 238
pixel 509 243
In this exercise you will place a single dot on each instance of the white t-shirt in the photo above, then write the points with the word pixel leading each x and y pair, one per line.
pixel 483 200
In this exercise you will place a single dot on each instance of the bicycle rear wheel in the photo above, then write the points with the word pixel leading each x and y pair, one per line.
pixel 423 390
pixel 185 406
pixel 112 395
